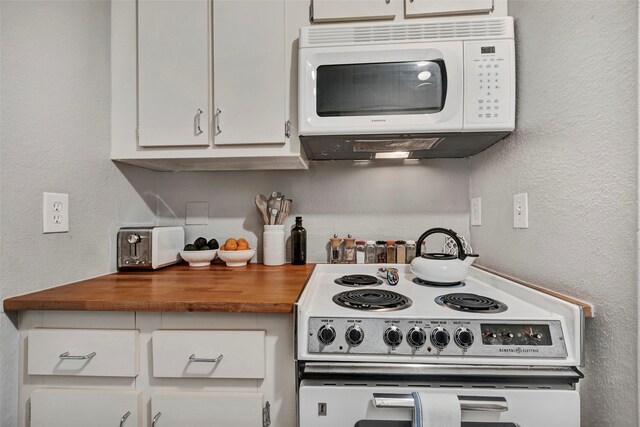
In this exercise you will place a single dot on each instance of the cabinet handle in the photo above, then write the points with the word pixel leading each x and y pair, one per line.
pixel 155 419
pixel 198 129
pixel 193 358
pixel 66 356
pixel 124 418
pixel 218 115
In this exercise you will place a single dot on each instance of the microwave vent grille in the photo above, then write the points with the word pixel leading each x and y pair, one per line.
pixel 496 28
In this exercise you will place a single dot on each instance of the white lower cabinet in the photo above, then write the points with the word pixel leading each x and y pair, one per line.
pixel 124 369
pixel 201 409
pixel 84 408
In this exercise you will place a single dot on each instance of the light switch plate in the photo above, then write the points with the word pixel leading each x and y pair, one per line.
pixel 476 211
pixel 55 213
pixel 197 213
pixel 521 210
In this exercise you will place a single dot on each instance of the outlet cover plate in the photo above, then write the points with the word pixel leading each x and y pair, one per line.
pixel 55 213
pixel 476 211
pixel 521 210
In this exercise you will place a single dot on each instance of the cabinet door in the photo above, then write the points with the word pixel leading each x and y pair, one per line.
pixel 351 10
pixel 82 408
pixel 249 72
pixel 199 409
pixel 173 73
pixel 416 8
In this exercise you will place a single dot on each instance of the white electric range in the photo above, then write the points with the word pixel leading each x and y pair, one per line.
pixel 362 346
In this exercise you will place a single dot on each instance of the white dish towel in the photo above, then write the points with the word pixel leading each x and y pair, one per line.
pixel 436 410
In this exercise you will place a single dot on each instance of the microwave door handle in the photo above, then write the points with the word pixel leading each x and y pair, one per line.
pixel 467 403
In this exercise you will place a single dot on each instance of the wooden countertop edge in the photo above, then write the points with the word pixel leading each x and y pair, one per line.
pixel 586 307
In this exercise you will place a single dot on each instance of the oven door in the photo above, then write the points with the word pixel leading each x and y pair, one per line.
pixel 338 404
pixel 381 89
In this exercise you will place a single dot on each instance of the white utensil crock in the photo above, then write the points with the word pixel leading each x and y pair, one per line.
pixel 273 245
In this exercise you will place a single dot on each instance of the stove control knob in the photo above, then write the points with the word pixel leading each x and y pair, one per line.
pixel 463 337
pixel 354 335
pixel 440 337
pixel 416 337
pixel 392 336
pixel 326 334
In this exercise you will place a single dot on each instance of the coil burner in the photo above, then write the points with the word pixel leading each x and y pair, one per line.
pixel 471 303
pixel 356 280
pixel 372 300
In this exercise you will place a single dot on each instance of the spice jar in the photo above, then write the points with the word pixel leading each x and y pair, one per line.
pixel 391 251
pixel 334 256
pixel 370 252
pixel 349 254
pixel 411 250
pixel 360 252
pixel 401 252
pixel 381 252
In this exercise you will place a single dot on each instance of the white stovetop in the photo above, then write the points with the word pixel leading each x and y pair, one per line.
pixel 322 288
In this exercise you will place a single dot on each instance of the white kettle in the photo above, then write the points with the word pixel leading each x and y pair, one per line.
pixel 439 268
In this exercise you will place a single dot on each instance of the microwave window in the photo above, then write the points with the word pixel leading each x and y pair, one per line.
pixel 390 88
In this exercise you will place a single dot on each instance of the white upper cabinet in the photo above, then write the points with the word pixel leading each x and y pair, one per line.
pixel 249 72
pixel 350 10
pixel 417 8
pixel 200 409
pixel 173 73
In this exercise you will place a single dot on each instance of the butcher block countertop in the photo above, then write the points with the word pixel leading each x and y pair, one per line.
pixel 255 288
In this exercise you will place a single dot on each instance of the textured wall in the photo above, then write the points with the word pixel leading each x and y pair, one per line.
pixel 54 112
pixel 369 201
pixel 575 153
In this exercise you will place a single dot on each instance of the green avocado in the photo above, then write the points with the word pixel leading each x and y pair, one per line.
pixel 200 242
pixel 190 247
pixel 204 248
pixel 213 244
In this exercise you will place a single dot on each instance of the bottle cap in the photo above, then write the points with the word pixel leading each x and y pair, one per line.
pixel 298 218
pixel 371 242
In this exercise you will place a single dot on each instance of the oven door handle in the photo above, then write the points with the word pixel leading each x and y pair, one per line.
pixel 467 403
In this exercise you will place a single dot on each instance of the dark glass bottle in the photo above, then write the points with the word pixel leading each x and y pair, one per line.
pixel 298 243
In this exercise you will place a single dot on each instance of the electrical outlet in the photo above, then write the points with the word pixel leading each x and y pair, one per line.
pixel 476 211
pixel 55 213
pixel 521 210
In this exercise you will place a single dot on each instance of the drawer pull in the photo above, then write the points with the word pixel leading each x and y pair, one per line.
pixel 193 358
pixel 155 419
pixel 124 418
pixel 66 356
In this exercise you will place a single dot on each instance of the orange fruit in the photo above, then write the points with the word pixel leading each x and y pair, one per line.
pixel 243 242
pixel 222 248
pixel 231 245
pixel 243 248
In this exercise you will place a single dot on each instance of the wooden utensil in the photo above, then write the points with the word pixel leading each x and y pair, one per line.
pixel 261 204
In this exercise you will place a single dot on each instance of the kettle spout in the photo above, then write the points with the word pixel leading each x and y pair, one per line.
pixel 470 259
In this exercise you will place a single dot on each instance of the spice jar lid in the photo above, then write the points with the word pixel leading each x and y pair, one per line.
pixel 391 242
pixel 371 242
pixel 359 242
pixel 400 242
pixel 379 242
pixel 411 242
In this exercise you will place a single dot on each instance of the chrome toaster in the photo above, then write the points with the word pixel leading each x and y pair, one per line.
pixel 149 248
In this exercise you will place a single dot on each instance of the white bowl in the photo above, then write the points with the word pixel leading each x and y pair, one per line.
pixel 236 258
pixel 199 258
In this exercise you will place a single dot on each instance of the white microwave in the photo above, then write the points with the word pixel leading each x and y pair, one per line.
pixel 430 88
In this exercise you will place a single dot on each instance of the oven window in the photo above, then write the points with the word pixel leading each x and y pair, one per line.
pixel 388 88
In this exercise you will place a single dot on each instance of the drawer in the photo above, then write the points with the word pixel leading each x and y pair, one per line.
pixel 83 352
pixel 209 354
pixel 82 408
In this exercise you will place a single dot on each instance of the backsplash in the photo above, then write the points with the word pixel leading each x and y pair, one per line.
pixel 367 200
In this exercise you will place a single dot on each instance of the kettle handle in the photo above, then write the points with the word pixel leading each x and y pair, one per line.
pixel 461 253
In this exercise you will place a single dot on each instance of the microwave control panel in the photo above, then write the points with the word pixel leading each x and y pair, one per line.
pixel 489 85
